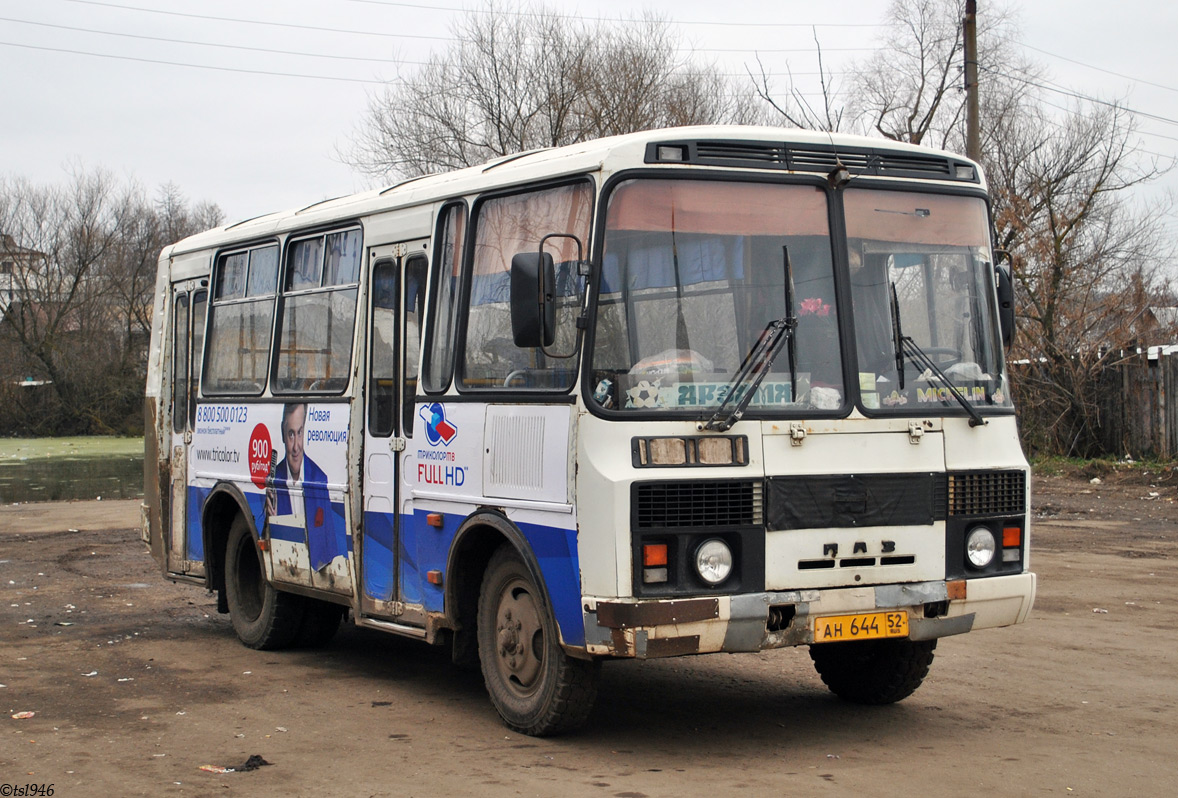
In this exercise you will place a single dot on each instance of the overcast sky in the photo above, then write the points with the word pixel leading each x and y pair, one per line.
pixel 165 91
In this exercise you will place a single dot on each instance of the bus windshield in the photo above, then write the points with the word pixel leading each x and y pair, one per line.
pixel 921 270
pixel 694 274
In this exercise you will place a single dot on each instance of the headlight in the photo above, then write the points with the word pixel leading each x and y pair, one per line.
pixel 980 546
pixel 713 561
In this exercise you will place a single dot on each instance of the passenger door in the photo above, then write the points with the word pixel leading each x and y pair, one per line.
pixel 396 298
pixel 185 544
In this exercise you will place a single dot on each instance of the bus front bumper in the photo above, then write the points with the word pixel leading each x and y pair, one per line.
pixel 649 628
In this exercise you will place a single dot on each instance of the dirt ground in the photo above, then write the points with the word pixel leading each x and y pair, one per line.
pixel 136 683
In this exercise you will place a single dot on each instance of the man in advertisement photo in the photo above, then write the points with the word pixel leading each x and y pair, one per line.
pixel 298 474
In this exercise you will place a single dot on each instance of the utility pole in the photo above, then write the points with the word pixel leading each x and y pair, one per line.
pixel 969 30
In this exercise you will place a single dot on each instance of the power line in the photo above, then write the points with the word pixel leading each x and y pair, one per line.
pixel 1049 86
pixel 322 29
pixel 1100 69
pixel 757 24
pixel 318 28
pixel 195 66
pixel 1046 85
pixel 1060 127
pixel 237 69
pixel 782 50
pixel 209 44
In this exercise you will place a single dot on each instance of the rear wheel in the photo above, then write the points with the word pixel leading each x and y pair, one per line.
pixel 873 671
pixel 536 688
pixel 264 618
pixel 321 620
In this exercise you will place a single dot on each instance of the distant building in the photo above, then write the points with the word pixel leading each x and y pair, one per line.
pixel 16 270
pixel 1161 319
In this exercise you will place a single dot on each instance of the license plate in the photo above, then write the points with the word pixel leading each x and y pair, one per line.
pixel 868 626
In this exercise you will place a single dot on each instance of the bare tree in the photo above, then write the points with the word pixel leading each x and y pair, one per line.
pixel 907 89
pixel 1088 261
pixel 794 108
pixel 911 86
pixel 524 77
pixel 81 286
pixel 1087 256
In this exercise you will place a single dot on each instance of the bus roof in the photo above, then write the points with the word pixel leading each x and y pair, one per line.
pixel 776 149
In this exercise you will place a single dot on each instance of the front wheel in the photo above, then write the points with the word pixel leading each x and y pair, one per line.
pixel 873 671
pixel 264 618
pixel 536 688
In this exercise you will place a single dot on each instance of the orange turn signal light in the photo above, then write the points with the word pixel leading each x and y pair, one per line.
pixel 436 520
pixel 654 554
pixel 1011 536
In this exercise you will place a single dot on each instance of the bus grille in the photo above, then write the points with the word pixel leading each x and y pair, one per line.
pixel 988 493
pixel 675 505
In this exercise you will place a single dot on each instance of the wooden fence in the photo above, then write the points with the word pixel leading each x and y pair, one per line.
pixel 1139 408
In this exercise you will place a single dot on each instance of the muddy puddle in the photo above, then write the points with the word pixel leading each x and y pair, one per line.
pixel 63 469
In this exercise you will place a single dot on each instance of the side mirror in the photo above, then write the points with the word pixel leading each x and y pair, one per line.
pixel 1005 303
pixel 533 306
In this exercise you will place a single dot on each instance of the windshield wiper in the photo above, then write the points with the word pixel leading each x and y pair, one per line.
pixel 792 322
pixel 755 366
pixel 897 335
pixel 759 360
pixel 906 347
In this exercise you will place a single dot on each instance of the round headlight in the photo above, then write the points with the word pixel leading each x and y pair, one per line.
pixel 980 547
pixel 713 561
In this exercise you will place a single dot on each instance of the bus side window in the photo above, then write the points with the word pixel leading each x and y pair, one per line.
pixel 382 370
pixel 318 317
pixel 238 350
pixel 180 364
pixel 414 310
pixel 504 227
pixel 439 354
pixel 200 304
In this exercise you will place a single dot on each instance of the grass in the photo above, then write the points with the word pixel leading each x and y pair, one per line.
pixel 68 448
pixel 1054 465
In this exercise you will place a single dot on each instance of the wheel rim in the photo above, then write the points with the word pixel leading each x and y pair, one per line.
pixel 519 638
pixel 250 586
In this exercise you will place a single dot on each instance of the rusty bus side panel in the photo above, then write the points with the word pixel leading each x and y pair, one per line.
pixel 156 510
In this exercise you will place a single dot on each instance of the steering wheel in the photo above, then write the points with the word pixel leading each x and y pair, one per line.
pixel 513 375
pixel 948 355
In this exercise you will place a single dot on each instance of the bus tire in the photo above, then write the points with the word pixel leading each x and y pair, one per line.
pixel 536 688
pixel 264 618
pixel 321 620
pixel 873 671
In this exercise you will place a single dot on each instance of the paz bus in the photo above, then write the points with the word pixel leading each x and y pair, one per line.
pixel 707 389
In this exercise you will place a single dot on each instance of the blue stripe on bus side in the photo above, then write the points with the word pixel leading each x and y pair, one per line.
pixel 377 564
pixel 298 534
pixel 432 547
pixel 194 544
pixel 292 534
pixel 197 496
pixel 412 575
pixel 555 549
pixel 424 548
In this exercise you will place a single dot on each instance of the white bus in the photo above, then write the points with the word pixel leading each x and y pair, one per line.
pixel 711 389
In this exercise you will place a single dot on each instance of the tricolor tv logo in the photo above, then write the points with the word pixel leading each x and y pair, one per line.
pixel 437 428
